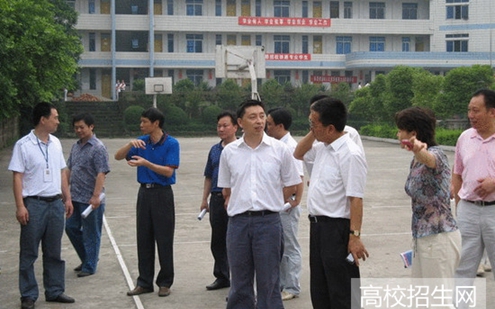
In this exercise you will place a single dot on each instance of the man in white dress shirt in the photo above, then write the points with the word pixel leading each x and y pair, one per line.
pixel 257 172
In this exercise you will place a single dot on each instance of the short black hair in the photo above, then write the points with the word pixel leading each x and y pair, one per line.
pixel 331 112
pixel 282 116
pixel 248 103
pixel 317 97
pixel 420 120
pixel 154 114
pixel 42 109
pixel 229 114
pixel 489 96
pixel 86 117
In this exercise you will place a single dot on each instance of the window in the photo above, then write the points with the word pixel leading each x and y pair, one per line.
pixel 218 7
pixel 305 44
pixel 305 9
pixel 170 43
pixel 246 8
pixel 91 7
pixel 257 8
pixel 347 9
pixel 92 42
pixel 456 10
pixel 281 44
pixel 135 43
pixel 196 76
pixel 218 39
pixel 377 43
pixel 409 11
pixel 317 9
pixel 194 7
pixel 406 42
pixel 105 42
pixel 171 74
pixel 344 44
pixel 377 10
pixel 281 8
pixel 231 39
pixel 158 43
pixel 105 7
pixel 282 76
pixel 334 9
pixel 231 8
pixel 246 40
pixel 92 79
pixel 457 42
pixel 305 76
pixel 259 40
pixel 194 43
pixel 170 7
pixel 317 44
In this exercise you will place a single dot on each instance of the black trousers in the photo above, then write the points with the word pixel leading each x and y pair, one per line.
pixel 219 221
pixel 330 273
pixel 155 216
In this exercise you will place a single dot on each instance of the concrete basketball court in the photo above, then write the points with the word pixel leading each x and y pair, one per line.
pixel 385 233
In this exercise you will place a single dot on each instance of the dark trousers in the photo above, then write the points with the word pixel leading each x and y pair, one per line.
pixel 155 223
pixel 254 246
pixel 219 221
pixel 330 273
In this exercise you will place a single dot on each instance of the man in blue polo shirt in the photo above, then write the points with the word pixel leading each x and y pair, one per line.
pixel 156 156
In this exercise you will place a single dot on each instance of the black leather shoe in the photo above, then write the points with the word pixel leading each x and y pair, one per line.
pixel 138 291
pixel 84 274
pixel 78 268
pixel 218 284
pixel 62 298
pixel 27 303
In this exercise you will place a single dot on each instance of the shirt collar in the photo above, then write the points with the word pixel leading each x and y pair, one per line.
pixel 336 144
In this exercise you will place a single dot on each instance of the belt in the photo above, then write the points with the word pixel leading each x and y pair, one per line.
pixel 321 219
pixel 47 199
pixel 153 186
pixel 481 203
pixel 219 194
pixel 256 213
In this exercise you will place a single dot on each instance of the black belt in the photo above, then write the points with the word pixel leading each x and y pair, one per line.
pixel 481 203
pixel 47 199
pixel 153 186
pixel 219 194
pixel 322 219
pixel 256 213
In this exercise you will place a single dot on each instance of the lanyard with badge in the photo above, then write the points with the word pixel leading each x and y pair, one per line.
pixel 47 175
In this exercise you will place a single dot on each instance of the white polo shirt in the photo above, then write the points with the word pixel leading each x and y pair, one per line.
pixel 257 176
pixel 31 158
pixel 339 172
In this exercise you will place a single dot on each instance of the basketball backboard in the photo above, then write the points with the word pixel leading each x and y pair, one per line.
pixel 233 61
pixel 158 85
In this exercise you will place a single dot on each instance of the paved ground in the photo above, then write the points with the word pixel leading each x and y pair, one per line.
pixel 386 232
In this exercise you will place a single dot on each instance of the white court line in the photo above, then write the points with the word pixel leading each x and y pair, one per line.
pixel 127 275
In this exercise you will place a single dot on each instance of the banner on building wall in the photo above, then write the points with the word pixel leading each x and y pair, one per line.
pixel 333 79
pixel 288 57
pixel 283 21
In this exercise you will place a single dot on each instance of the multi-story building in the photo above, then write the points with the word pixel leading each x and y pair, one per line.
pixel 305 41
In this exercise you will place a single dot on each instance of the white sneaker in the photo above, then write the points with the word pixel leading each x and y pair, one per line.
pixel 487 266
pixel 288 296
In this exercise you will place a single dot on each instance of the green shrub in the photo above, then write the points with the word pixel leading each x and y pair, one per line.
pixel 379 130
pixel 132 118
pixel 447 137
pixel 210 114
pixel 175 116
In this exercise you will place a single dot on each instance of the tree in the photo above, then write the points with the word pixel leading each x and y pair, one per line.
pixel 426 88
pixel 400 89
pixel 39 50
pixel 459 85
pixel 272 93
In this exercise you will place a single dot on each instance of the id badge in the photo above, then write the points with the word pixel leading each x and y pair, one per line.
pixel 47 175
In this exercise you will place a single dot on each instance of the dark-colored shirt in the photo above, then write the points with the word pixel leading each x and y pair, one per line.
pixel 165 152
pixel 211 168
pixel 85 163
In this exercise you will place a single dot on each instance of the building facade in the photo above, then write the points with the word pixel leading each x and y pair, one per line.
pixel 304 41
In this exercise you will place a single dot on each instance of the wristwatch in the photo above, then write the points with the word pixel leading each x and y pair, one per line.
pixel 356 233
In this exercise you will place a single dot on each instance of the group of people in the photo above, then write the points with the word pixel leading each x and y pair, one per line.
pixel 448 245
pixel 252 189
